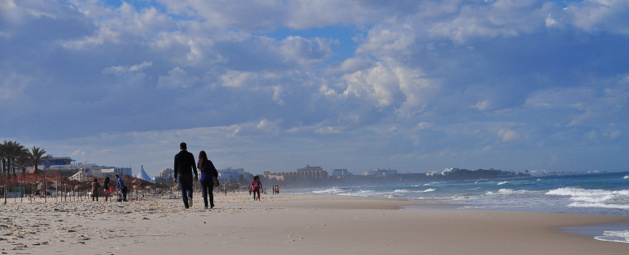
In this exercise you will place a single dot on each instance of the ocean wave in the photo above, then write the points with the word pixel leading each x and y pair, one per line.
pixel 614 236
pixel 333 190
pixel 599 205
pixel 594 198
pixel 626 177
pixel 502 183
pixel 508 192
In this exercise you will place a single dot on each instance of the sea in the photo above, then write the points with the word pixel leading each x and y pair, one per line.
pixel 600 193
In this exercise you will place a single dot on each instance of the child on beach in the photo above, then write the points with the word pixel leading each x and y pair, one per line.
pixel 122 189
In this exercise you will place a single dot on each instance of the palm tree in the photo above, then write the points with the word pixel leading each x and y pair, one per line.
pixel 36 156
pixel 14 150
pixel 4 156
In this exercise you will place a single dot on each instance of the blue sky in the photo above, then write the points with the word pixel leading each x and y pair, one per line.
pixel 276 85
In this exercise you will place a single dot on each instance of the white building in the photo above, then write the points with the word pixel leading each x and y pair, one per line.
pixel 225 175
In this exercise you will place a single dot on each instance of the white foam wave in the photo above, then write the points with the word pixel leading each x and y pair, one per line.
pixel 626 177
pixel 502 183
pixel 599 205
pixel 329 191
pixel 597 198
pixel 508 192
pixel 614 236
pixel 428 190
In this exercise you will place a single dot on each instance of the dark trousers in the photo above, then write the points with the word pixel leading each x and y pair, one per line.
pixel 207 188
pixel 257 191
pixel 185 182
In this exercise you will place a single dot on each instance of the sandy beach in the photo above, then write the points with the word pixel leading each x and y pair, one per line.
pixel 287 224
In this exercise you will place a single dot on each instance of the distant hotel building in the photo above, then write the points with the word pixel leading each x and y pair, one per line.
pixel 64 166
pixel 308 172
pixel 340 173
pixel 228 174
pixel 166 173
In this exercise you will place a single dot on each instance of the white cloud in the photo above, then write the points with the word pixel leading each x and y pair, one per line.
pixel 482 105
pixel 600 15
pixel 268 15
pixel 120 70
pixel 378 84
pixel 490 19
pixel 327 130
pixel 120 26
pixel 304 51
pixel 262 127
pixel 177 78
pixel 507 134
pixel 550 22
pixel 277 92
pixel 414 78
pixel 393 39
pixel 237 79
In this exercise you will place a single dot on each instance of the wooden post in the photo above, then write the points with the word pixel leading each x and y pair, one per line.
pixel 4 186
pixel 21 194
pixel 45 189
pixel 14 193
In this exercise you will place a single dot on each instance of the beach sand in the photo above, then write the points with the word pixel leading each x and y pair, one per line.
pixel 287 224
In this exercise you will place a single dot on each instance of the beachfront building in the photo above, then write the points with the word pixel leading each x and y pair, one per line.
pixel 50 160
pixel 89 169
pixel 273 176
pixel 164 174
pixel 308 172
pixel 233 174
pixel 340 173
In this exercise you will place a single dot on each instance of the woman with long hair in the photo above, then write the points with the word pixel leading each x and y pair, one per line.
pixel 256 186
pixel 106 190
pixel 208 172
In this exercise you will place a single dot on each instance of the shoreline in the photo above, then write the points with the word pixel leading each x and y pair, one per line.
pixel 287 224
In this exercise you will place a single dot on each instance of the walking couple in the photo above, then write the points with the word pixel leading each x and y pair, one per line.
pixel 185 166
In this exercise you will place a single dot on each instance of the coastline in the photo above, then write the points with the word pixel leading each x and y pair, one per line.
pixel 290 224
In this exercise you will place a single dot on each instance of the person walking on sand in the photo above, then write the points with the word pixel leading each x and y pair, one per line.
pixel 106 188
pixel 256 186
pixel 208 172
pixel 95 187
pixel 184 165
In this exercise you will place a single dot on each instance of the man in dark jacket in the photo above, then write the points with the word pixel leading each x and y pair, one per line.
pixel 184 165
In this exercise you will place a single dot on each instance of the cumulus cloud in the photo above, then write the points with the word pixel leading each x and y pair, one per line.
pixel 600 16
pixel 177 78
pixel 378 84
pixel 415 81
